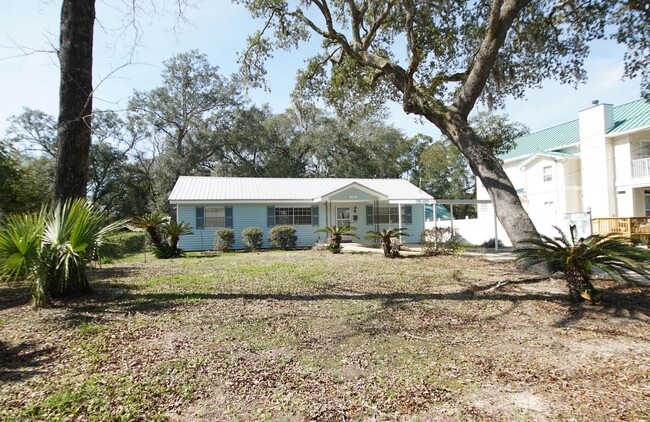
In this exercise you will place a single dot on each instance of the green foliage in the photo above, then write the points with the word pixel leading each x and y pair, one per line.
pixel 163 232
pixel 441 240
pixel 336 234
pixel 152 223
pixel 165 251
pixel 576 258
pixel 173 230
pixel 24 182
pixel 127 242
pixel 186 114
pixel 385 238
pixel 283 237
pixel 253 238
pixel 224 239
pixel 51 249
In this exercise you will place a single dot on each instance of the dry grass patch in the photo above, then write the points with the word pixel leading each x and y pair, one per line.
pixel 311 335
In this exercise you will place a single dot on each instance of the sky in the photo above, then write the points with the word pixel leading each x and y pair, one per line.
pixel 29 71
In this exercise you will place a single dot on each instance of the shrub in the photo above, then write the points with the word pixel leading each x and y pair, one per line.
pixel 165 251
pixel 253 237
pixel 125 242
pixel 224 239
pixel 441 240
pixel 490 243
pixel 283 237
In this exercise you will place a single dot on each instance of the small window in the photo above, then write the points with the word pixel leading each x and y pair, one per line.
pixel 647 203
pixel 548 204
pixel 215 216
pixel 644 150
pixel 548 173
pixel 293 216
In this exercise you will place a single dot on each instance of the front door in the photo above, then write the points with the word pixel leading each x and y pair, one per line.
pixel 343 219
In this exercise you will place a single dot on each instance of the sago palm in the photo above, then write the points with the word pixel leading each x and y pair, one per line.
pixel 576 258
pixel 52 249
pixel 152 224
pixel 386 237
pixel 336 234
pixel 174 230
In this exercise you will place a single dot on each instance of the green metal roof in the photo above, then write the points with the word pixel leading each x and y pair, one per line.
pixel 630 116
pixel 633 115
pixel 545 140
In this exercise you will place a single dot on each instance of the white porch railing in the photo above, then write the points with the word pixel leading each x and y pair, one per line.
pixel 641 168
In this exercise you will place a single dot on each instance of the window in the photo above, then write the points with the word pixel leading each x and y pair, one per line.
pixel 215 216
pixel 388 215
pixel 293 216
pixel 548 173
pixel 647 203
pixel 209 217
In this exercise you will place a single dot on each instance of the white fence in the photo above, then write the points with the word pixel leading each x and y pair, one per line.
pixel 476 231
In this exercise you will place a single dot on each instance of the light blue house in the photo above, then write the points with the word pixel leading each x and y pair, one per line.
pixel 210 203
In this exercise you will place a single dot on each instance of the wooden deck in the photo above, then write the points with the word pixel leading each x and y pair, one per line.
pixel 638 227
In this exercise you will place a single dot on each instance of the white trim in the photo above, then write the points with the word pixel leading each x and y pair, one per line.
pixel 627 132
pixel 326 196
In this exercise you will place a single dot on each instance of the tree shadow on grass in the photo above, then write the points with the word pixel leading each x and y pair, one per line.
pixel 22 361
pixel 14 294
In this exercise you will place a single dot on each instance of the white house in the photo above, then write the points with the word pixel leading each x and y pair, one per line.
pixel 599 162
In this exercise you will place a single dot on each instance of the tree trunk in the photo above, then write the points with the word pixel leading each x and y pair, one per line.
pixel 75 99
pixel 486 166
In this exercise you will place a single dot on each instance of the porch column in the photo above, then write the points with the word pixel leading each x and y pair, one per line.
pixel 399 218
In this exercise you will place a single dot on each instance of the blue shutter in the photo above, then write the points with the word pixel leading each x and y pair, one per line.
pixel 270 216
pixel 228 217
pixel 407 214
pixel 314 215
pixel 369 218
pixel 199 218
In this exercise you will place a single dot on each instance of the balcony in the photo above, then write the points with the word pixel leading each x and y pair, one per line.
pixel 641 168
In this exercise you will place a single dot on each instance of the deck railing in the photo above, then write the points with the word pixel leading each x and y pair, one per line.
pixel 641 168
pixel 627 226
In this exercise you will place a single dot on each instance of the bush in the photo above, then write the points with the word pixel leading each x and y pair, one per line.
pixel 127 242
pixel 441 240
pixel 489 244
pixel 164 251
pixel 224 239
pixel 283 237
pixel 253 237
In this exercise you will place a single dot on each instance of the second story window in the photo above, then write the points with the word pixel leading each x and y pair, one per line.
pixel 548 173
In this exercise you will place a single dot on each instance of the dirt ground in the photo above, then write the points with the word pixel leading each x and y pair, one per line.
pixel 313 336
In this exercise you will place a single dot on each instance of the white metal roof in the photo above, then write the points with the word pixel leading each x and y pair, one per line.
pixel 256 189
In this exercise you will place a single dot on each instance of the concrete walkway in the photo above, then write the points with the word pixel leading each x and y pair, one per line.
pixel 504 255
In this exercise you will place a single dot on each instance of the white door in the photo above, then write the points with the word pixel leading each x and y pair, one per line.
pixel 343 219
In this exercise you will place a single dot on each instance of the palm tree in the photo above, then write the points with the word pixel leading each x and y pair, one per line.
pixel 152 223
pixel 386 237
pixel 576 258
pixel 174 230
pixel 52 249
pixel 336 234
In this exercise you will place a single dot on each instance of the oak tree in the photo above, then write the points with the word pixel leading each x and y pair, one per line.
pixel 438 58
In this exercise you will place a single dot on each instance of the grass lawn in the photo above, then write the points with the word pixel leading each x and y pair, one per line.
pixel 313 336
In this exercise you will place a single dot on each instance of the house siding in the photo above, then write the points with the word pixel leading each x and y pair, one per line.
pixel 255 215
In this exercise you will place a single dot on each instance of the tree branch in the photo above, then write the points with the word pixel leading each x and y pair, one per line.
pixel 502 16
